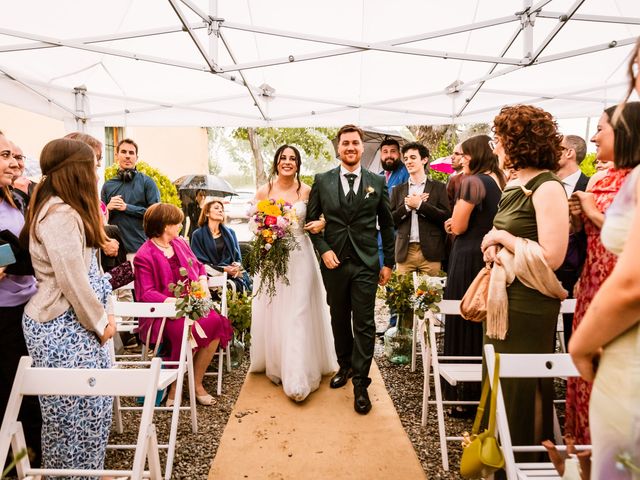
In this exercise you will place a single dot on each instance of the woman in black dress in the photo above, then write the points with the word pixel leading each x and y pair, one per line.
pixel 477 203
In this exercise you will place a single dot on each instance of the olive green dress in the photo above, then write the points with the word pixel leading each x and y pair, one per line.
pixel 532 325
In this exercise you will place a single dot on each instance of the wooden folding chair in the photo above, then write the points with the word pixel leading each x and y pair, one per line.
pixel 84 382
pixel 417 279
pixel 534 365
pixel 167 376
pixel 447 367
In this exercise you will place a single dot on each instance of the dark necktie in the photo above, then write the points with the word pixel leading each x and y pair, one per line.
pixel 351 178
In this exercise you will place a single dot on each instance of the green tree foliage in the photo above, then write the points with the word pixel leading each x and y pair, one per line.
pixel 168 191
pixel 588 165
pixel 314 145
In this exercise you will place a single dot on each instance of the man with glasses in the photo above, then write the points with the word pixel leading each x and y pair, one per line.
pixel 574 149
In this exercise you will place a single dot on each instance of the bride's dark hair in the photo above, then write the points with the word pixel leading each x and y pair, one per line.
pixel 276 161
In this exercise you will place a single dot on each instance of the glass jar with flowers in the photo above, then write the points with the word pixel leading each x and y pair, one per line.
pixel 398 296
pixel 239 313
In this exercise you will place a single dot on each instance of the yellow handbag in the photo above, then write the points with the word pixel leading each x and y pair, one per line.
pixel 481 455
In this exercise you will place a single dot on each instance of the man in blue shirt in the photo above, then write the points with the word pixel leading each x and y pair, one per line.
pixel 395 173
pixel 128 195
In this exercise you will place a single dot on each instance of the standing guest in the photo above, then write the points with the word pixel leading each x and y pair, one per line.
pixel 17 286
pixel 128 196
pixel 65 323
pixel 453 183
pixel 532 215
pixel 475 208
pixel 21 187
pixel 609 334
pixel 395 173
pixel 419 208
pixel 216 245
pixel 158 264
pixel 574 150
pixel 620 143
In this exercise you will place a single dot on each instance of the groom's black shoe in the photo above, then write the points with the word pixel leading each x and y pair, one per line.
pixel 340 378
pixel 361 402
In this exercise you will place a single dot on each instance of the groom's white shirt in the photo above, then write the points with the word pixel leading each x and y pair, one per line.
pixel 345 183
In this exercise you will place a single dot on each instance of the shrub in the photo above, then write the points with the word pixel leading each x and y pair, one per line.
pixel 168 191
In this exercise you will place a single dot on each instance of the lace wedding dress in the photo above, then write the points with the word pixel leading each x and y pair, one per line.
pixel 291 337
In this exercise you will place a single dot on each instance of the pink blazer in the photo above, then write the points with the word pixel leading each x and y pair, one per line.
pixel 153 276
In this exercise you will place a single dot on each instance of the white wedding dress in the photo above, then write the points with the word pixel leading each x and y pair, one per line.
pixel 291 337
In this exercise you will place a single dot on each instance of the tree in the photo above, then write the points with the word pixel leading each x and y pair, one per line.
pixel 314 144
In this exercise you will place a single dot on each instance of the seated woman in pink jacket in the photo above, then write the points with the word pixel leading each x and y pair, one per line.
pixel 157 264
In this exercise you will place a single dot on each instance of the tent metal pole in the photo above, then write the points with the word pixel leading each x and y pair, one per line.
pixel 562 22
pixel 212 68
pixel 586 50
pixel 256 102
pixel 214 30
pixel 592 18
pixel 195 9
pixel 81 107
pixel 104 38
pixel 527 19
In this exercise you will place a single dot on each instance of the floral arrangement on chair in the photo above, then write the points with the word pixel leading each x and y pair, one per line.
pixel 192 302
pixel 426 297
pixel 271 222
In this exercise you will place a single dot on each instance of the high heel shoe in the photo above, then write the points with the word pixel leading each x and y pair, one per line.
pixel 205 399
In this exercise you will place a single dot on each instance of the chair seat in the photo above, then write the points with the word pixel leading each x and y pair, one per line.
pixel 461 372
pixel 538 471
pixel 167 377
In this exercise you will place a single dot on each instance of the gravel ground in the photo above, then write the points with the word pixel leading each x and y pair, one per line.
pixel 194 453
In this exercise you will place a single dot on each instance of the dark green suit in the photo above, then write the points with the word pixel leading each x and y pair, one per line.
pixel 351 287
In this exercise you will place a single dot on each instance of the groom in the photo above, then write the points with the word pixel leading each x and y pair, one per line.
pixel 352 199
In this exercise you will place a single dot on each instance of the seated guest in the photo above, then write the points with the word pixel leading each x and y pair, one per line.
pixel 216 245
pixel 157 264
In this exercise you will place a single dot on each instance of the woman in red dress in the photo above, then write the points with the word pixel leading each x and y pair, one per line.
pixel 587 211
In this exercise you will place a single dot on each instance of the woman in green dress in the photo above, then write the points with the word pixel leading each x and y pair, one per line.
pixel 533 206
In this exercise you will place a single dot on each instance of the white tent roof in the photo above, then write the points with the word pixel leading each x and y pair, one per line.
pixel 303 63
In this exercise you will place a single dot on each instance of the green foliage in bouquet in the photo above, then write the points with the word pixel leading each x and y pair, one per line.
pixel 426 297
pixel 168 191
pixel 398 293
pixel 192 301
pixel 239 313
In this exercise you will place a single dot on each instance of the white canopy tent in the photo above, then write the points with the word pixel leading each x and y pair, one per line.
pixel 299 63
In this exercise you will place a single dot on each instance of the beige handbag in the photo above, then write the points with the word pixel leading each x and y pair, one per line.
pixel 474 303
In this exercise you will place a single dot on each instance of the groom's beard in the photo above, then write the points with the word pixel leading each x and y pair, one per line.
pixel 351 160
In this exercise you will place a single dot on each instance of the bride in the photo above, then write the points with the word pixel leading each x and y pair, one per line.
pixel 291 337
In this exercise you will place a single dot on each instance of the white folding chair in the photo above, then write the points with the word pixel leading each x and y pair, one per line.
pixel 417 279
pixel 567 306
pixel 84 382
pixel 221 282
pixel 540 365
pixel 167 376
pixel 439 366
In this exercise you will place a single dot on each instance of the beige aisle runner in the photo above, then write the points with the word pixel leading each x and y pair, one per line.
pixel 271 437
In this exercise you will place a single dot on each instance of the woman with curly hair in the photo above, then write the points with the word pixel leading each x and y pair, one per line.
pixel 531 225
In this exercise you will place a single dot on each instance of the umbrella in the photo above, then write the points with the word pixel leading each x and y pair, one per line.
pixel 211 184
pixel 442 164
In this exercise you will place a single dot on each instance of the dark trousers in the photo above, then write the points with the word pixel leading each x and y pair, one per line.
pixel 351 295
pixel 12 347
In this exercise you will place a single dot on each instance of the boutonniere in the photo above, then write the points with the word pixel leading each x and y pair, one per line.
pixel 370 191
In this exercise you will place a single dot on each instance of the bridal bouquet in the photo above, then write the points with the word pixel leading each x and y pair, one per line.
pixel 271 221
pixel 426 297
pixel 192 303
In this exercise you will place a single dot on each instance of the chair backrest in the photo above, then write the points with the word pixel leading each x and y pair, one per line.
pixel 81 382
pixel 523 365
pixel 221 281
pixel 140 309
